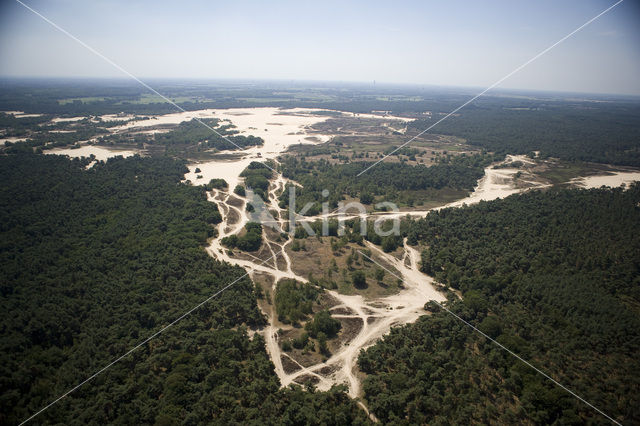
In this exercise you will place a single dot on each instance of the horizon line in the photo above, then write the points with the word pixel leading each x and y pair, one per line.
pixel 370 84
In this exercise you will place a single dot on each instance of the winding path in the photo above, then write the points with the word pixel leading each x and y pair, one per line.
pixel 377 316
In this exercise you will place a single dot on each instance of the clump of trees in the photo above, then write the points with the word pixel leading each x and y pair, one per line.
pixel 256 177
pixel 251 240
pixel 359 279
pixel 193 133
pixel 216 184
pixel 294 301
pixel 239 190
pixel 323 323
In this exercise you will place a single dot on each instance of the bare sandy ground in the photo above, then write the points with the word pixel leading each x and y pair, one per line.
pixel 380 116
pixel 101 154
pixel 21 114
pixel 497 183
pixel 116 117
pixel 66 119
pixel 14 139
pixel 278 128
pixel 613 180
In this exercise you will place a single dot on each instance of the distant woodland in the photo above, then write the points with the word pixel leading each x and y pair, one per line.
pixel 607 133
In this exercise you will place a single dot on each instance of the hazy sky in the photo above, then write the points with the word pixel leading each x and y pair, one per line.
pixel 455 43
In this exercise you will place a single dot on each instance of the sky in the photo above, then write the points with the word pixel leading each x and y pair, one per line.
pixel 447 43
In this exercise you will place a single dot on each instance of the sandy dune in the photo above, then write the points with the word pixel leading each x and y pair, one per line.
pixel 613 180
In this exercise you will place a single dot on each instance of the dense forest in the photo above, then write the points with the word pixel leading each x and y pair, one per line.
pixel 388 181
pixel 553 276
pixel 569 132
pixel 95 261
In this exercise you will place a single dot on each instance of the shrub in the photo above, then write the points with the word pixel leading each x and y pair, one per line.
pixel 358 279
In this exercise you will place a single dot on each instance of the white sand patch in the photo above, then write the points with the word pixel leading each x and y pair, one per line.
pixel 66 119
pixel 167 119
pixel 21 114
pixel 496 183
pixel 12 139
pixel 117 117
pixel 101 154
pixel 152 131
pixel 378 116
pixel 229 170
pixel 278 128
pixel 613 180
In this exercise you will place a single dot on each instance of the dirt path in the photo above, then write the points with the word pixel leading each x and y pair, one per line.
pixel 377 316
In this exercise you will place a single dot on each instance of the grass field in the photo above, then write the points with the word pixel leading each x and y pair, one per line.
pixel 319 262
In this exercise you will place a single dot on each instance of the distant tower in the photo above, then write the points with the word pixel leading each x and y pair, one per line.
pixel 374 82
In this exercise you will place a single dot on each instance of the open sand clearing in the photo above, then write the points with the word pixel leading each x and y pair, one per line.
pixel 101 154
pixel 166 119
pixel 117 117
pixel 613 180
pixel 67 119
pixel 21 114
pixel 278 128
pixel 380 116
pixel 497 183
pixel 12 139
